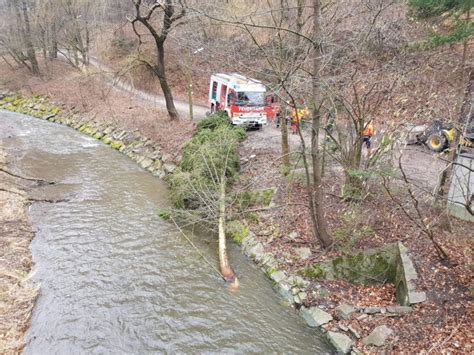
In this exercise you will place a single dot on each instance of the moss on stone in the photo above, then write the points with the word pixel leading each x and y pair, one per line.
pixel 116 144
pixel 18 102
pixel 365 267
pixel 314 271
pixel 237 231
pixel 89 130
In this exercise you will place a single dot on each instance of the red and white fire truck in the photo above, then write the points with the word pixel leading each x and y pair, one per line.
pixel 245 100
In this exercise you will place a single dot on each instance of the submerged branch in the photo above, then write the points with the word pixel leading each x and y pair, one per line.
pixel 39 181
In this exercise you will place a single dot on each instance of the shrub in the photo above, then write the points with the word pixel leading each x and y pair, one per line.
pixel 237 231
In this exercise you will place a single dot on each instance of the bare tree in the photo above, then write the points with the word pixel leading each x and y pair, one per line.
pixel 354 103
pixel 316 199
pixel 171 12
pixel 17 38
pixel 414 210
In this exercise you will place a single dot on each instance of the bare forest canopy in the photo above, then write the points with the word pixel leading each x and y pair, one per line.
pixel 386 43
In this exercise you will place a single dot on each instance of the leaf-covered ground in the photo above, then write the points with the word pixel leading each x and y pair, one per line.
pixel 443 322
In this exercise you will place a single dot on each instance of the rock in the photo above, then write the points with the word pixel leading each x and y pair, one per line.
pixel 296 299
pixel 278 276
pixel 341 342
pixel 145 163
pixel 169 168
pixel 302 296
pixel 314 316
pixel 362 317
pixel 343 327
pixel 416 297
pixel 247 244
pixel 353 331
pixel 373 310
pixel 300 282
pixel 157 165
pixel 303 253
pixel 268 260
pixel 157 154
pixel 399 309
pixel 257 251
pixel 284 291
pixel 344 311
pixel 378 336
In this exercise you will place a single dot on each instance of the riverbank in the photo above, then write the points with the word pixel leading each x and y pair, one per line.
pixel 110 268
pixel 283 233
pixel 18 293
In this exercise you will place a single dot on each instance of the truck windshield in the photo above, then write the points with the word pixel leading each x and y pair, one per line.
pixel 249 98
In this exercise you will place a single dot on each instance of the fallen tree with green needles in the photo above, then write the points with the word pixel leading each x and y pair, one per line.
pixel 199 188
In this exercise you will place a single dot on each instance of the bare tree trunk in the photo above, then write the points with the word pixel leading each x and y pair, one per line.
pixel 53 51
pixel 44 48
pixel 161 73
pixel 30 50
pixel 285 147
pixel 465 46
pixel 224 264
pixel 169 17
pixel 317 196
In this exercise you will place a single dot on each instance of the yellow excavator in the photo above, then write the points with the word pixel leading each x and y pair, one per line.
pixel 438 137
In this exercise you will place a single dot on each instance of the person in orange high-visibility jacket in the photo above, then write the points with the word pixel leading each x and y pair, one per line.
pixel 367 134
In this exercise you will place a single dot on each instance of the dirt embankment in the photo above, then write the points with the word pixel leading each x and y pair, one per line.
pixel 17 292
pixel 89 97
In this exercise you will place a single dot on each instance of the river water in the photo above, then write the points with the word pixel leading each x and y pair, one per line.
pixel 115 278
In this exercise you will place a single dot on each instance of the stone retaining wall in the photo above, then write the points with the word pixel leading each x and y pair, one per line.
pixel 140 149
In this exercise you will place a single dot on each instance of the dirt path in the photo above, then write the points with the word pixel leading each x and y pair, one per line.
pixel 17 292
pixel 199 111
pixel 420 164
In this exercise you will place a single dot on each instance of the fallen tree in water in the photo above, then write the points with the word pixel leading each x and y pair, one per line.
pixel 199 188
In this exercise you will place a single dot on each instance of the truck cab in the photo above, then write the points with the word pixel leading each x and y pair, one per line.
pixel 243 99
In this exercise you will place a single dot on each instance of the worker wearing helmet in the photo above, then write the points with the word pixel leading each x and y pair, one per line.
pixel 367 134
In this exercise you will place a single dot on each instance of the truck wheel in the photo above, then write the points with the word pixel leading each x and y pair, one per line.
pixel 437 142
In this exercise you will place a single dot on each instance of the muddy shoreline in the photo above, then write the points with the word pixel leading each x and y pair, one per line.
pixel 18 292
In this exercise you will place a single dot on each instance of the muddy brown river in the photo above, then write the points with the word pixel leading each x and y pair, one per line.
pixel 115 278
